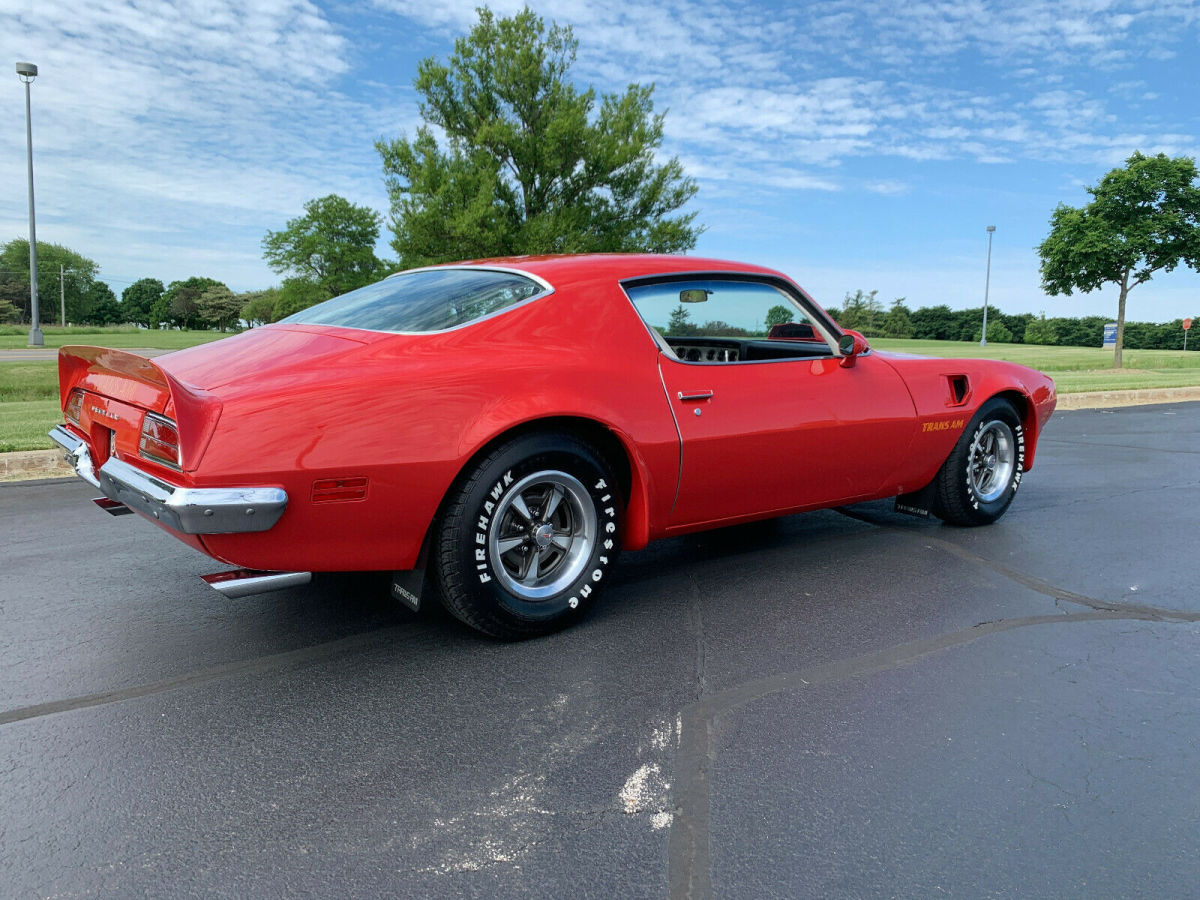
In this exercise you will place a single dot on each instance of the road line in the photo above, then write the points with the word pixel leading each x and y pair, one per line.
pixel 256 666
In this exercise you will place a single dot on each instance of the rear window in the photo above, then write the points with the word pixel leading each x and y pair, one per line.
pixel 423 300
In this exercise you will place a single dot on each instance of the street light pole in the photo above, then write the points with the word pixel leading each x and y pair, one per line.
pixel 991 229
pixel 27 72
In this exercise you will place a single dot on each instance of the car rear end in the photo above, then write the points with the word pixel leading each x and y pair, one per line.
pixel 136 433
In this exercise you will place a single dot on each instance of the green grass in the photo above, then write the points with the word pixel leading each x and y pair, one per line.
pixel 16 337
pixel 1048 359
pixel 29 390
pixel 28 381
pixel 1073 369
pixel 24 424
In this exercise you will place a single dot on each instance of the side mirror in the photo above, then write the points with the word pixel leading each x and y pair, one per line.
pixel 852 345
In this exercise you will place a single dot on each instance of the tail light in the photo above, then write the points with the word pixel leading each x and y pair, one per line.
pixel 160 440
pixel 74 406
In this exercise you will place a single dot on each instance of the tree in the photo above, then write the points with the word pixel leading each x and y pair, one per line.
pixel 530 164
pixel 1143 218
pixel 997 333
pixel 297 294
pixel 898 321
pixel 78 274
pixel 259 307
pixel 103 308
pixel 778 315
pixel 9 314
pixel 221 306
pixel 680 322
pixel 1041 331
pixel 181 302
pixel 863 312
pixel 332 245
pixel 138 300
pixel 935 323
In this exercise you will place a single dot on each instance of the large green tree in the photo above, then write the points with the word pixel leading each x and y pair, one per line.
pixel 103 308
pixel 78 273
pixel 529 163
pixel 332 245
pixel 863 312
pixel 220 306
pixel 138 300
pixel 1143 218
pixel 180 303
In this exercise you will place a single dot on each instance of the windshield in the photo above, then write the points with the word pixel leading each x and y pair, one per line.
pixel 422 301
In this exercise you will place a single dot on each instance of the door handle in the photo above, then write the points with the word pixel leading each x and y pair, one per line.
pixel 695 395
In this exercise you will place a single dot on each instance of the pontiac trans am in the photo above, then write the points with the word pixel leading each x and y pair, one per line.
pixel 495 432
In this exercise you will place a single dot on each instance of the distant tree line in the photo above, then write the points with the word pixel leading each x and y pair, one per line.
pixel 76 289
pixel 864 312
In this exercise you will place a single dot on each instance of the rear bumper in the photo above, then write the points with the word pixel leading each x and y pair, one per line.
pixel 230 510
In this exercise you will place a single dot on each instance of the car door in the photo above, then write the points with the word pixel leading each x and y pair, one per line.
pixel 784 434
pixel 763 435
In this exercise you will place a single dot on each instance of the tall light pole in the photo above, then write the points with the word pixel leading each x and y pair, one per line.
pixel 27 72
pixel 987 283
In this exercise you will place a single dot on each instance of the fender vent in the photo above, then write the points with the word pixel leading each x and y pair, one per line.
pixel 960 389
pixel 333 490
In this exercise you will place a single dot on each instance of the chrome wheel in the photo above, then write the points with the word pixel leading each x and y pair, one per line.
pixel 545 529
pixel 991 460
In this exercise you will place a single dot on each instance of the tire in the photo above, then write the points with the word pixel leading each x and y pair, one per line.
pixel 528 537
pixel 981 475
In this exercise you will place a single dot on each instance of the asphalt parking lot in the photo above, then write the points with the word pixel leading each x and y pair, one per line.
pixel 841 704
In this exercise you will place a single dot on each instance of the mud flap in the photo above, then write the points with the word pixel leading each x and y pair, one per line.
pixel 407 587
pixel 918 503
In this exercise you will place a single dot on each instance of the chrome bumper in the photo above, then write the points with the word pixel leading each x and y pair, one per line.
pixel 186 510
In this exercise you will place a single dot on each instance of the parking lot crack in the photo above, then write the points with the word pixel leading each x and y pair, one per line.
pixel 1038 585
pixel 689 863
pixel 698 626
pixel 255 666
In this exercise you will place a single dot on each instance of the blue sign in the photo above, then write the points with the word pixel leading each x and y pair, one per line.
pixel 1110 335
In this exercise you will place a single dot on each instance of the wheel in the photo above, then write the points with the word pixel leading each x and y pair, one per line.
pixel 981 475
pixel 528 537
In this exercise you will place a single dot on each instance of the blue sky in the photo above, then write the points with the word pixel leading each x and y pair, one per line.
pixel 850 144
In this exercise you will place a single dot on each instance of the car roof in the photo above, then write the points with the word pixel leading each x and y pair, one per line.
pixel 618 266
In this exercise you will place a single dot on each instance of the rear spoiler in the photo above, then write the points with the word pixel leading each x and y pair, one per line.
pixel 140 382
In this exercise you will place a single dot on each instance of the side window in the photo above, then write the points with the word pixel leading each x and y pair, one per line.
pixel 714 320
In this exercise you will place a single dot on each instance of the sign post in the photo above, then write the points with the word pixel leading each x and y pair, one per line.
pixel 1187 326
pixel 1110 335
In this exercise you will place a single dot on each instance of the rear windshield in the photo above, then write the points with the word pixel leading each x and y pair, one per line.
pixel 426 300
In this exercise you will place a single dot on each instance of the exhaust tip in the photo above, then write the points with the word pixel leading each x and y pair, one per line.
pixel 244 582
pixel 112 507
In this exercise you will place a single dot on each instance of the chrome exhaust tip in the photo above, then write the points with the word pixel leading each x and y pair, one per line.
pixel 112 507
pixel 244 582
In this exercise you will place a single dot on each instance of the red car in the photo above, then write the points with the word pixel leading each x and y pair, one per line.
pixel 495 432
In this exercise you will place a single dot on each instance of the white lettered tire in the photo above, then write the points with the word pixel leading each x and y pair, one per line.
pixel 529 536
pixel 980 477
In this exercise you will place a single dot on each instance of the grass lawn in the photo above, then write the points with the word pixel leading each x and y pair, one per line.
pixel 13 337
pixel 29 390
pixel 24 424
pixel 28 381
pixel 1073 369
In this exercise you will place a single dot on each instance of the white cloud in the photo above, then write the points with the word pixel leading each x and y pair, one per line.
pixel 190 121
pixel 177 133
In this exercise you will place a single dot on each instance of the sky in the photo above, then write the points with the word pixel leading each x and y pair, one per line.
pixel 853 145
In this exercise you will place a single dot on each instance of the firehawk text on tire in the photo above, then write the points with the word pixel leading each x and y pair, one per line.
pixel 529 537
pixel 979 479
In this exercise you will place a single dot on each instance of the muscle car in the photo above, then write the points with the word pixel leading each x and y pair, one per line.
pixel 495 432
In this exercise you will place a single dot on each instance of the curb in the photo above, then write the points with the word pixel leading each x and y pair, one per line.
pixel 1139 397
pixel 27 465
